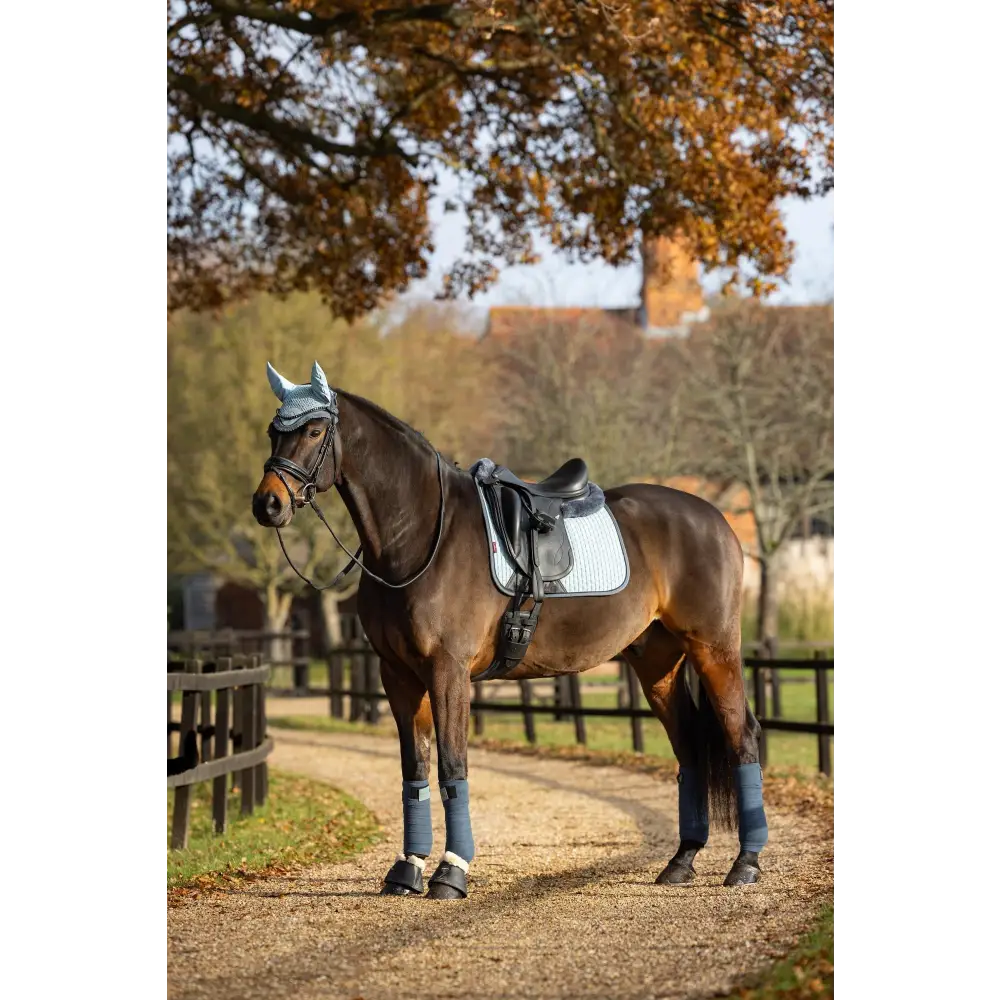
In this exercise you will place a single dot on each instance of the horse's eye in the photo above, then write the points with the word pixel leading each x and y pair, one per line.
pixel 315 432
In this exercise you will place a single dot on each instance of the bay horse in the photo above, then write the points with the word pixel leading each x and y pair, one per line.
pixel 432 613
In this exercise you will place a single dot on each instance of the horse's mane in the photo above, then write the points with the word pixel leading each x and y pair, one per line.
pixel 384 416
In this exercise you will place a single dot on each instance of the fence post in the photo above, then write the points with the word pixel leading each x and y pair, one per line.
pixel 760 710
pixel 260 771
pixel 182 794
pixel 823 715
pixel 356 706
pixel 529 718
pixel 638 737
pixel 236 707
pixel 219 793
pixel 478 717
pixel 300 670
pixel 249 713
pixel 373 678
pixel 335 674
pixel 205 714
pixel 576 703
pixel 774 676
pixel 562 696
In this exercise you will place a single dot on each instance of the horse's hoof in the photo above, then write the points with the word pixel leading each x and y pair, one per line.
pixel 743 872
pixel 390 889
pixel 438 890
pixel 404 879
pixel 448 882
pixel 676 873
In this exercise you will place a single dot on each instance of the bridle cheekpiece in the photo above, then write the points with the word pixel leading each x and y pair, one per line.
pixel 331 437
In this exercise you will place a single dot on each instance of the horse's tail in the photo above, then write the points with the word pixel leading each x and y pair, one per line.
pixel 703 732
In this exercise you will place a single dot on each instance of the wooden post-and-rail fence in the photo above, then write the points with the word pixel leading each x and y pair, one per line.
pixel 355 692
pixel 364 693
pixel 197 644
pixel 233 742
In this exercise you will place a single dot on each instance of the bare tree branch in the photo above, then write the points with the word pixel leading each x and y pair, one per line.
pixel 761 408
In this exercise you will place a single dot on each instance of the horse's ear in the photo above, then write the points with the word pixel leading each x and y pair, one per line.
pixel 279 384
pixel 319 384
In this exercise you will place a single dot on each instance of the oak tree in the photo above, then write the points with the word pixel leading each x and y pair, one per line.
pixel 306 138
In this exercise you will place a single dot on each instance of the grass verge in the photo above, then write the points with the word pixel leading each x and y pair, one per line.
pixel 807 971
pixel 326 724
pixel 303 822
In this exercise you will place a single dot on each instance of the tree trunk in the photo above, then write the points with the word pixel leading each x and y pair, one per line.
pixel 277 607
pixel 767 602
pixel 767 629
pixel 329 604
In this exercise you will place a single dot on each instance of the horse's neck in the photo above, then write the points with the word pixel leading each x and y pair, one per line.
pixel 390 488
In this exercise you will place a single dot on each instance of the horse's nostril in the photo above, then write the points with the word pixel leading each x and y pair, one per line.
pixel 273 505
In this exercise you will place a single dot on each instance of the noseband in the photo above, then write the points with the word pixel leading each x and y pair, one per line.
pixel 278 465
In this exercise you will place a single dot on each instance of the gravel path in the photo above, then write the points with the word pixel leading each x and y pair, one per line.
pixel 562 900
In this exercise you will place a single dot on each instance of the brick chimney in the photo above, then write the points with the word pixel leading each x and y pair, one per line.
pixel 671 292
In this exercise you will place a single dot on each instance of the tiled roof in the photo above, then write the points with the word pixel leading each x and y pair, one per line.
pixel 513 321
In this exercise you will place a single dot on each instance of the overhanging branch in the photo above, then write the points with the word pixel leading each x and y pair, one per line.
pixel 261 121
pixel 445 14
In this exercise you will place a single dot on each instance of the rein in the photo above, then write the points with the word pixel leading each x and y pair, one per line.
pixel 278 465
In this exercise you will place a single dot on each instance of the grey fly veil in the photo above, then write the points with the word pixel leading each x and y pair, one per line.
pixel 301 403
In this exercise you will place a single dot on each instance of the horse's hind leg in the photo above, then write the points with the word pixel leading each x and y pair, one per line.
pixel 658 660
pixel 411 708
pixel 720 670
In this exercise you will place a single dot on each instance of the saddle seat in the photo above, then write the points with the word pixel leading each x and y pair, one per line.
pixel 568 482
pixel 531 519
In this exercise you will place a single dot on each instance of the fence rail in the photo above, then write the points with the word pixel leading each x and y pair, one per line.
pixel 365 694
pixel 352 671
pixel 239 723
pixel 288 648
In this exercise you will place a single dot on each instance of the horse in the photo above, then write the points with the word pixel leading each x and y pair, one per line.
pixel 432 613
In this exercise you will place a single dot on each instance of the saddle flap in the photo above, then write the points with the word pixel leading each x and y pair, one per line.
pixel 553 554
pixel 520 519
pixel 512 518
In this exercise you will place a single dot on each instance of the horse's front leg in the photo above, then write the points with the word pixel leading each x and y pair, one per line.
pixel 450 693
pixel 411 708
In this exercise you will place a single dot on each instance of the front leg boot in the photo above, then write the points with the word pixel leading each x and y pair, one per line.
pixel 449 881
pixel 406 877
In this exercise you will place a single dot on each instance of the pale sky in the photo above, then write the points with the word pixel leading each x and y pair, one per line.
pixel 556 282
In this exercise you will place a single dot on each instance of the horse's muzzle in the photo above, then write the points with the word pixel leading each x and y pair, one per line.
pixel 270 510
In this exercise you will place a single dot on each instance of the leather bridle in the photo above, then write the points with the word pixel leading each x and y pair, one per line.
pixel 278 464
pixel 331 437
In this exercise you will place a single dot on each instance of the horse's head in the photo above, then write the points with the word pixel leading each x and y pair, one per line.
pixel 305 446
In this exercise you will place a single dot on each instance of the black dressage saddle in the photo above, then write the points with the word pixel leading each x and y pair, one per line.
pixel 530 520
pixel 529 516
